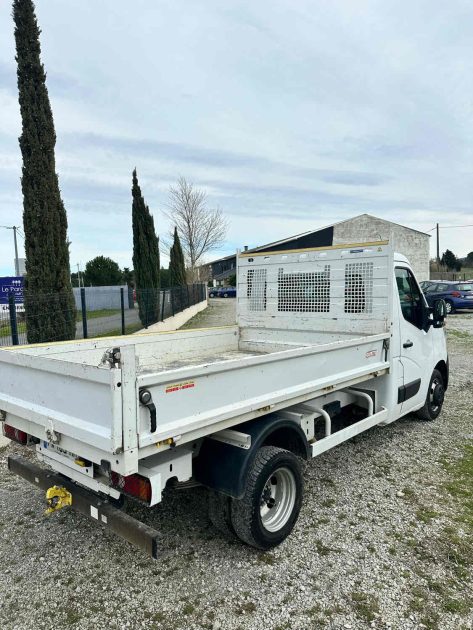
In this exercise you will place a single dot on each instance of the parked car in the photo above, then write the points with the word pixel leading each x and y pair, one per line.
pixel 457 295
pixel 227 292
pixel 222 292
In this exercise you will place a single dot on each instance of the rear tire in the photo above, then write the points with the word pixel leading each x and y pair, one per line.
pixel 434 400
pixel 219 514
pixel 268 511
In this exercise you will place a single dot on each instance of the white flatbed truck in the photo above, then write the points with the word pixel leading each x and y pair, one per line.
pixel 328 343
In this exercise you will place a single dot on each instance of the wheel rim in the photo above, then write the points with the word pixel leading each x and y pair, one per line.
pixel 448 307
pixel 278 499
pixel 434 396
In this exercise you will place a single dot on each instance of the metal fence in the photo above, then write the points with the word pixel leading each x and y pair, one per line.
pixel 51 316
pixel 454 276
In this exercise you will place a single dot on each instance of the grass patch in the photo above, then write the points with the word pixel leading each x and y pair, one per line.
pixel 328 503
pixel 425 515
pixel 460 488
pixel 266 558
pixel 116 332
pixel 72 617
pixel 314 610
pixel 456 606
pixel 188 609
pixel 460 485
pixel 460 334
pixel 323 550
pixel 103 312
pixel 366 606
pixel 246 607
pixel 5 330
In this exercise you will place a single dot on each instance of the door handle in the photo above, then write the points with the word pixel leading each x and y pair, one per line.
pixel 407 344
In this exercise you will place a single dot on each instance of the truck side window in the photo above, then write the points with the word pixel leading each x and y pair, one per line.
pixel 409 296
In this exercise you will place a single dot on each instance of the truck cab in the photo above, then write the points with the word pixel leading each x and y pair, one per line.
pixel 418 345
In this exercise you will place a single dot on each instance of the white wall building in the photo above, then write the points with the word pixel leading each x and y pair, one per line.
pixel 411 243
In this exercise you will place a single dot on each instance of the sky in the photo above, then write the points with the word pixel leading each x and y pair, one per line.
pixel 289 115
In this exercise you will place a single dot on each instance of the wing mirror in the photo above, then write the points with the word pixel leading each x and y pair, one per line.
pixel 439 312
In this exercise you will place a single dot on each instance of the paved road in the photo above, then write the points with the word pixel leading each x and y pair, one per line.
pixel 101 325
pixel 220 312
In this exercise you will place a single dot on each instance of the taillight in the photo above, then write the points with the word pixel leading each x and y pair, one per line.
pixel 15 434
pixel 134 485
pixel 456 294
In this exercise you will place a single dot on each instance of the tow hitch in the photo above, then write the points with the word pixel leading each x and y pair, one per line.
pixel 62 492
pixel 57 498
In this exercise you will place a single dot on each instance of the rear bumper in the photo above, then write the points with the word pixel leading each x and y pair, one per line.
pixel 91 505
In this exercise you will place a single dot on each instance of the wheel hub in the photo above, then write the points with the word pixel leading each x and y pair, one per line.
pixel 438 394
pixel 278 499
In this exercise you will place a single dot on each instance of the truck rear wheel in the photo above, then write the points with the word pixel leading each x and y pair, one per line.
pixel 268 510
pixel 434 400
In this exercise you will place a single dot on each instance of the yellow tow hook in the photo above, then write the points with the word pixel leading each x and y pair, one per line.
pixel 57 498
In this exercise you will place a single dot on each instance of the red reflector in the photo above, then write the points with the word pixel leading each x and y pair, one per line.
pixel 456 294
pixel 15 434
pixel 135 485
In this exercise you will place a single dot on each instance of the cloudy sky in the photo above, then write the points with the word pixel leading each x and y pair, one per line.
pixel 291 115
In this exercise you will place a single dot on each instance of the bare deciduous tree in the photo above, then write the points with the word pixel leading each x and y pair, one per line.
pixel 200 228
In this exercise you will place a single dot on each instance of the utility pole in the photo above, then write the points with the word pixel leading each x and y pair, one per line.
pixel 17 264
pixel 438 248
pixel 78 274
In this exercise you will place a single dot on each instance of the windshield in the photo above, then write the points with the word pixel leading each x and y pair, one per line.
pixel 431 287
pixel 463 287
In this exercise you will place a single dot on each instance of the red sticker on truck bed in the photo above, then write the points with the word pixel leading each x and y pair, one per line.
pixel 371 353
pixel 178 386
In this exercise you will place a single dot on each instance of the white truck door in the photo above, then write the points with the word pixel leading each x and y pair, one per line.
pixel 416 348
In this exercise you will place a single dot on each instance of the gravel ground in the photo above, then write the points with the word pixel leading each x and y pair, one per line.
pixel 379 543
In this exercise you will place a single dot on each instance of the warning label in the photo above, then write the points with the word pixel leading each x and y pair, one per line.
pixel 178 386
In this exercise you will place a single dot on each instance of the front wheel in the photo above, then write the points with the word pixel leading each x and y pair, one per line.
pixel 434 400
pixel 449 307
pixel 267 512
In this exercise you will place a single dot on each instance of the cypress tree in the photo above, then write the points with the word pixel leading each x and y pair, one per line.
pixel 177 266
pixel 145 257
pixel 49 301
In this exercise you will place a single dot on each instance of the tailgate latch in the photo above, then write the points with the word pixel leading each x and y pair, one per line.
pixel 57 497
pixel 147 400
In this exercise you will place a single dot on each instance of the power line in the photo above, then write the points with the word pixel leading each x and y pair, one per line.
pixel 446 227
